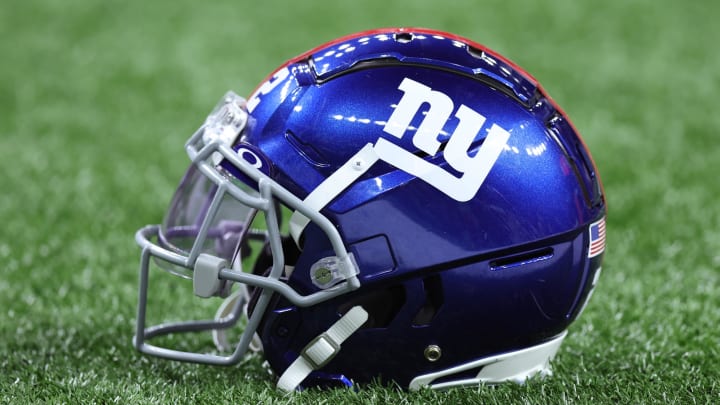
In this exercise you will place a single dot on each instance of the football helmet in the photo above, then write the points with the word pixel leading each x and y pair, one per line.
pixel 423 213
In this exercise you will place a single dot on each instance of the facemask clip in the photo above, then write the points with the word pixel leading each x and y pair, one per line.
pixel 330 271
pixel 225 122
pixel 206 277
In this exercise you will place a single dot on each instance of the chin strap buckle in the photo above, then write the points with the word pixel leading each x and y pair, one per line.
pixel 322 349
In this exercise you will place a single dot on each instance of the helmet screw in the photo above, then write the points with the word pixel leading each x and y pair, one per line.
pixel 359 164
pixel 323 275
pixel 433 353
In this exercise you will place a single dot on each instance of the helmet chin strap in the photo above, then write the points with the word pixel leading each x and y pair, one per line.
pixel 322 349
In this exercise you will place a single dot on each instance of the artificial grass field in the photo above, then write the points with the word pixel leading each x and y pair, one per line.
pixel 97 99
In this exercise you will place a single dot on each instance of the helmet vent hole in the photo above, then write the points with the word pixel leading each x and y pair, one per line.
pixel 403 37
pixel 479 54
pixel 433 300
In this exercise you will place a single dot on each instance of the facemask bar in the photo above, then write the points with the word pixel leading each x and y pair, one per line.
pixel 205 153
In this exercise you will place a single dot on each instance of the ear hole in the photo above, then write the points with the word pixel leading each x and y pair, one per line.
pixel 382 306
pixel 433 300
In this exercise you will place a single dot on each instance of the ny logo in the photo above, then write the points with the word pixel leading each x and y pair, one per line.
pixel 473 169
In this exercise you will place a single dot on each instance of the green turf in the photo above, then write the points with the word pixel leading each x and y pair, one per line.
pixel 97 98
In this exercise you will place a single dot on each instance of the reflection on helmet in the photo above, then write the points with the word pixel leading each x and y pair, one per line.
pixel 445 222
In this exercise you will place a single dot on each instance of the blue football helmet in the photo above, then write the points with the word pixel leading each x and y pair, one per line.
pixel 428 217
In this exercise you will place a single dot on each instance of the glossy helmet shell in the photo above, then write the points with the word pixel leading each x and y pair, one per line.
pixel 508 268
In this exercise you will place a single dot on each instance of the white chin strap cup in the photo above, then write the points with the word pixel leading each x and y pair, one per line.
pixel 226 309
pixel 322 349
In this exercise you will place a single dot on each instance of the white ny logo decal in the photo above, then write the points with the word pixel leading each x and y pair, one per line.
pixel 474 169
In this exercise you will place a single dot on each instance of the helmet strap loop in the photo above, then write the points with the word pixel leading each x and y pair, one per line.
pixel 322 349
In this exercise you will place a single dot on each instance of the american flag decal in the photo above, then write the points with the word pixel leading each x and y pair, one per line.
pixel 597 238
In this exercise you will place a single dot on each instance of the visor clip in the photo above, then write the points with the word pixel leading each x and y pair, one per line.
pixel 206 276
